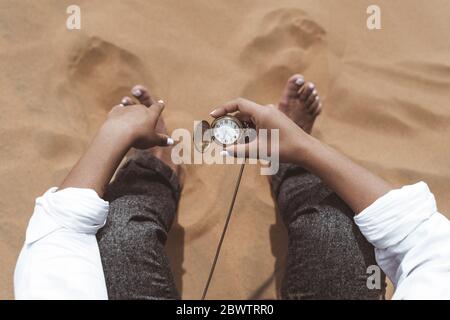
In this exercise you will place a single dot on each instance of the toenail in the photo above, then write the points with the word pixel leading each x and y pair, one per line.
pixel 137 92
pixel 299 81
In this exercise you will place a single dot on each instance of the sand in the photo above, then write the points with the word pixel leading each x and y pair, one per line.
pixel 386 94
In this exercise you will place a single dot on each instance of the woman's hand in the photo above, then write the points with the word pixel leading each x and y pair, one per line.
pixel 126 127
pixel 358 187
pixel 291 136
pixel 137 124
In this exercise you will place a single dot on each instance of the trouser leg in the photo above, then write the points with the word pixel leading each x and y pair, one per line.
pixel 328 257
pixel 143 202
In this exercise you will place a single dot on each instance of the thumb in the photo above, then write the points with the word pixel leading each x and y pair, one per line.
pixel 163 140
pixel 247 150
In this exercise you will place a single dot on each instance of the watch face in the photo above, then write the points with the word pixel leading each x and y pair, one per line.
pixel 226 130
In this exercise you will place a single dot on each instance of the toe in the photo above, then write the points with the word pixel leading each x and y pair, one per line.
pixel 316 109
pixel 143 95
pixel 126 101
pixel 311 99
pixel 306 91
pixel 293 85
pixel 313 107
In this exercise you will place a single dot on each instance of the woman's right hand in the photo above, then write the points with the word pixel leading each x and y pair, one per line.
pixel 137 125
pixel 291 136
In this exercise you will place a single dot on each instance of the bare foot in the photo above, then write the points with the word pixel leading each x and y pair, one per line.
pixel 144 97
pixel 300 102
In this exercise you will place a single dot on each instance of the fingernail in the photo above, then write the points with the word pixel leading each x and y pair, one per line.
pixel 161 101
pixel 137 92
pixel 213 113
pixel 121 105
pixel 299 81
pixel 170 141
pixel 124 101
pixel 225 153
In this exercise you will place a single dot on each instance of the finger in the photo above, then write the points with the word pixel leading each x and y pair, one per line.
pixel 306 91
pixel 156 109
pixel 126 101
pixel 143 95
pixel 242 117
pixel 243 105
pixel 163 140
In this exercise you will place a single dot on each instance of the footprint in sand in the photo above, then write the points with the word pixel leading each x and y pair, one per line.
pixel 96 75
pixel 287 42
pixel 102 72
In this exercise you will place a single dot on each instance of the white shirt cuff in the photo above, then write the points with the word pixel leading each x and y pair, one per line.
pixel 79 210
pixel 391 218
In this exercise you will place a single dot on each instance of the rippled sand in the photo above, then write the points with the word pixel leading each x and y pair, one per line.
pixel 387 105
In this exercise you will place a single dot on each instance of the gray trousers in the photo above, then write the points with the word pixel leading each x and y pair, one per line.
pixel 327 255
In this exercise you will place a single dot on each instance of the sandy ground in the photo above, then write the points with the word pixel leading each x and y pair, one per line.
pixel 387 96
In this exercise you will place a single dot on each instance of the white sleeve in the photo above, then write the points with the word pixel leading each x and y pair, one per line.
pixel 412 242
pixel 60 258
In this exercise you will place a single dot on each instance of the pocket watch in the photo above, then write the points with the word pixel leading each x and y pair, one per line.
pixel 225 131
